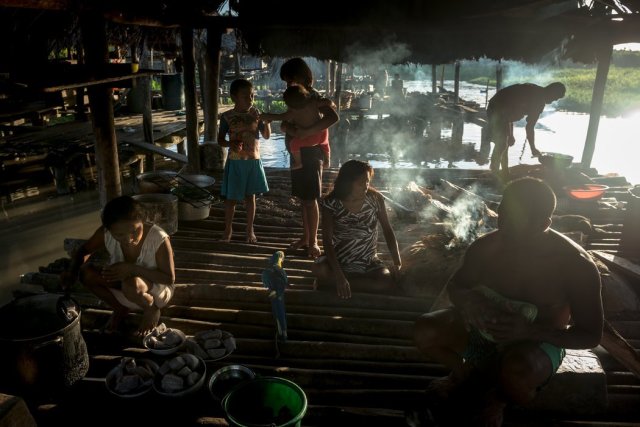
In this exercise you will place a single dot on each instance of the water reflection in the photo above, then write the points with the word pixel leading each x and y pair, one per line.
pixel 617 145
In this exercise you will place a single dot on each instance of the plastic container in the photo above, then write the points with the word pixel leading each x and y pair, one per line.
pixel 160 209
pixel 265 401
pixel 586 191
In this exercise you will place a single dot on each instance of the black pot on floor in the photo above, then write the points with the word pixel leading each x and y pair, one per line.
pixel 40 350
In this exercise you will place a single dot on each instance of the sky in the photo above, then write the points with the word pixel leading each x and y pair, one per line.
pixel 627 46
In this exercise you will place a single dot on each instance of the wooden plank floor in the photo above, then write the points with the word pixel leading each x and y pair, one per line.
pixel 355 358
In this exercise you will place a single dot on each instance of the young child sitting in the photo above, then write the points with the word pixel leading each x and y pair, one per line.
pixel 303 112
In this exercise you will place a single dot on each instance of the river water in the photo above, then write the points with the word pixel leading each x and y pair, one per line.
pixel 617 146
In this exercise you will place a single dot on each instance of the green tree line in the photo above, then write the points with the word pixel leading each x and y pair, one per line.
pixel 622 92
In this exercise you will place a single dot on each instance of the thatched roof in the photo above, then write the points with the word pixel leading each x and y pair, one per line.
pixel 419 31
pixel 433 32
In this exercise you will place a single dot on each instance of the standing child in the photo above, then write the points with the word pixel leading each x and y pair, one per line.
pixel 306 182
pixel 303 111
pixel 243 173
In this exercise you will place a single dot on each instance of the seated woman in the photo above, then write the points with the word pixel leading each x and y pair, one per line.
pixel 350 216
pixel 140 273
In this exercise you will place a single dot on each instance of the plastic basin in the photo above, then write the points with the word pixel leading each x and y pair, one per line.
pixel 586 191
pixel 265 401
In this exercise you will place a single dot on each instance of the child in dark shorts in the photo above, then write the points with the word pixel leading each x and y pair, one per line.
pixel 306 183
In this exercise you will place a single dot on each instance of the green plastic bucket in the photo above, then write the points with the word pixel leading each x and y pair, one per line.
pixel 265 402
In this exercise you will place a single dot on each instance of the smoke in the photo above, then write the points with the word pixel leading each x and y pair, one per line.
pixel 463 213
pixel 468 218
pixel 390 53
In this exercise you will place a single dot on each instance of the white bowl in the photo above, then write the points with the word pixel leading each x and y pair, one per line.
pixel 157 381
pixel 110 379
pixel 164 351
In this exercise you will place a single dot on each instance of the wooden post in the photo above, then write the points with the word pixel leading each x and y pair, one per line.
pixel 237 54
pixel 94 37
pixel 442 77
pixel 147 116
pixel 211 95
pixel 334 73
pixel 188 57
pixel 328 79
pixel 456 83
pixel 81 112
pixel 604 60
pixel 434 79
pixel 499 76
pixel 338 81
pixel 457 129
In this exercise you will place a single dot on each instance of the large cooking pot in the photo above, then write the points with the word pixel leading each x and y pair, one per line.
pixel 41 350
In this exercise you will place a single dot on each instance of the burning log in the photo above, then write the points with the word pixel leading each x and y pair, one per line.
pixel 429 263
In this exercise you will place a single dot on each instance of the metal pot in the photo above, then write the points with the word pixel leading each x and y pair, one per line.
pixel 160 181
pixel 41 350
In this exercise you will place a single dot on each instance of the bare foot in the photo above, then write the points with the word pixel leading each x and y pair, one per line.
pixel 251 238
pixel 116 318
pixel 297 245
pixel 314 251
pixel 150 317
pixel 226 236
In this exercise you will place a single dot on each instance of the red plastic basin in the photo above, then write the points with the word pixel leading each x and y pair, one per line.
pixel 586 191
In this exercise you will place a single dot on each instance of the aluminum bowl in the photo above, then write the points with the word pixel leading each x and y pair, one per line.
pixel 226 378
pixel 154 182
pixel 555 160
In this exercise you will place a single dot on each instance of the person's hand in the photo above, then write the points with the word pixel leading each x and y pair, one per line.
pixel 326 163
pixel 535 152
pixel 509 327
pixel 511 140
pixel 118 271
pixel 344 289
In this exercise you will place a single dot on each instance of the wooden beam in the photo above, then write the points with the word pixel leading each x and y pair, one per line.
pixel 94 37
pixel 152 148
pixel 604 61
pixel 189 62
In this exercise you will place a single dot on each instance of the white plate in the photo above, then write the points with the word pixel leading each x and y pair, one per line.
pixel 110 378
pixel 193 340
pixel 165 351
pixel 157 381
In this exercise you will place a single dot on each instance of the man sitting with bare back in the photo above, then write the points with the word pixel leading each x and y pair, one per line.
pixel 522 295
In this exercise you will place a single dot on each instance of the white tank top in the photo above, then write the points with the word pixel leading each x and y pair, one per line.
pixel 147 257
